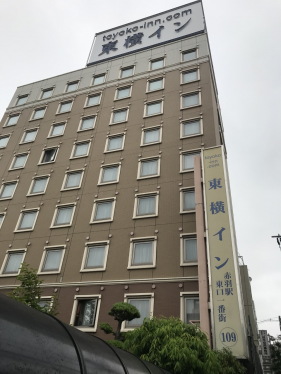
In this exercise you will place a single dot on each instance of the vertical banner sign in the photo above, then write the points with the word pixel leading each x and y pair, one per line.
pixel 264 343
pixel 228 322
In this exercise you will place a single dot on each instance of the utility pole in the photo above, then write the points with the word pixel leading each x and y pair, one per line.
pixel 278 238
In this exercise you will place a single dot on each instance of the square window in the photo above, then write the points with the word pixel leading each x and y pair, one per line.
pixel 39 113
pixel 188 197
pixel 47 93
pixel 115 143
pixel 189 250
pixel 80 149
pixel 151 136
pixel 65 107
pixel 52 260
pixel 127 72
pixel 86 313
pixel 119 116
pixel 13 262
pixel 19 161
pixel 191 310
pixel 57 129
pixel 103 210
pixel 191 128
pixel 146 205
pixel 87 123
pixel 190 100
pixel 72 86
pixel 153 108
pixel 149 168
pixel 73 180
pixel 7 190
pixel 109 174
pixel 189 76
pixel 95 257
pixel 189 55
pixel 12 120
pixel 29 136
pixel 27 220
pixel 123 92
pixel 39 185
pixel 22 100
pixel 49 155
pixel 93 100
pixel 157 64
pixel 64 215
pixel 98 79
pixel 142 253
pixel 188 161
pixel 4 141
pixel 143 306
pixel 156 84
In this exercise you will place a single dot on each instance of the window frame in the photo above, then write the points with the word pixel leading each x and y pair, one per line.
pixel 157 59
pixel 8 135
pixel 118 110
pixel 19 97
pixel 102 167
pixel 15 181
pixel 58 206
pixel 64 102
pixel 77 81
pixel 190 93
pixel 37 210
pixel 26 131
pixel 192 235
pixel 182 191
pixel 74 311
pixel 34 111
pixel 8 118
pixel 43 152
pixel 133 66
pixel 110 136
pixel 139 177
pixel 130 86
pixel 72 157
pixel 32 184
pixel 195 49
pixel 50 136
pixel 96 201
pixel 153 193
pixel 151 128
pixel 4 264
pixel 43 258
pixel 128 296
pixel 190 70
pixel 151 79
pixel 85 255
pixel 183 297
pixel 95 115
pixel 161 101
pixel 96 76
pixel 192 151
pixel 14 158
pixel 131 252
pixel 74 171
pixel 4 215
pixel 46 89
pixel 90 95
pixel 190 120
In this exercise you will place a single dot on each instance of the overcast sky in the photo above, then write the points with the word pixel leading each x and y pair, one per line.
pixel 40 39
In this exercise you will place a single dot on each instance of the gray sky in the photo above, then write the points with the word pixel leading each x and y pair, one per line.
pixel 41 39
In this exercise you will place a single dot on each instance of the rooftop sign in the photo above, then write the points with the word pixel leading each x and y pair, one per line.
pixel 161 28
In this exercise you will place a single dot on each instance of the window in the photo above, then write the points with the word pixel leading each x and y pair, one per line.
pixel 189 76
pixel 191 100
pixel 191 127
pixel 188 250
pixel 187 161
pixel 157 64
pixel 146 205
pixel 85 312
pixel 120 115
pixel 87 123
pixel 12 120
pixel 155 84
pixel 109 174
pixel 187 200
pixel 19 161
pixel 114 143
pixel 65 106
pixel 2 216
pixel 190 307
pixel 149 168
pixel 29 136
pixel 57 129
pixel 46 301
pixel 39 185
pixel 103 210
pixel 72 180
pixel 47 93
pixel 145 305
pixel 92 100
pixel 189 55
pixel 153 108
pixel 151 135
pixel 4 140
pixel 95 256
pixel 27 220
pixel 98 79
pixel 127 72
pixel 22 100
pixel 52 260
pixel 12 262
pixel 81 149
pixel 142 253
pixel 49 155
pixel 63 215
pixel 71 86
pixel 123 92
pixel 38 113
pixel 7 190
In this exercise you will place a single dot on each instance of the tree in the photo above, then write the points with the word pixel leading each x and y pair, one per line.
pixel 29 291
pixel 121 312
pixel 275 352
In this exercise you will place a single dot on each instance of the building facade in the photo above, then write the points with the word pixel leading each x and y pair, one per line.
pixel 103 186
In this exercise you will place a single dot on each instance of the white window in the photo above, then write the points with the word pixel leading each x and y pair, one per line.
pixel 72 180
pixel 191 127
pixel 155 84
pixel 191 100
pixel 109 173
pixel 92 100
pixel 157 64
pixel 38 113
pixel 123 92
pixel 63 215
pixel 46 93
pixel 142 253
pixel 190 307
pixel 71 86
pixel 145 305
pixel 98 79
pixel 12 262
pixel 114 143
pixel 27 220
pixel 120 115
pixel 188 250
pixel 57 129
pixel 151 135
pixel 153 108
pixel 146 205
pixel 52 259
pixel 149 167
pixel 187 161
pixel 80 149
pixel 39 185
pixel 65 106
pixel 29 136
pixel 8 189
pixel 187 200
pixel 4 140
pixel 189 55
pixel 103 210
pixel 95 256
pixel 22 100
pixel 12 120
pixel 189 76
pixel 87 123
pixel 49 155
pixel 19 161
pixel 2 216
pixel 85 312
pixel 127 72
